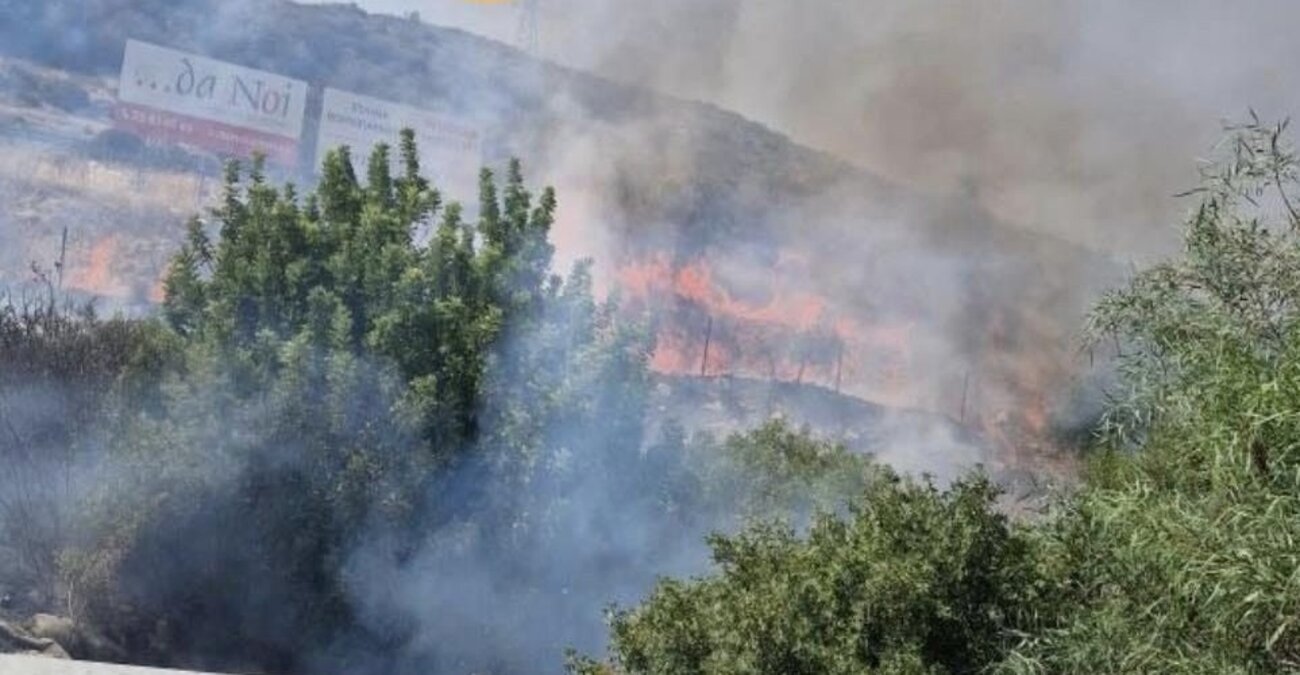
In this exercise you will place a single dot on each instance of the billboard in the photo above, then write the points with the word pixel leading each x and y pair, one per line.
pixel 450 151
pixel 172 96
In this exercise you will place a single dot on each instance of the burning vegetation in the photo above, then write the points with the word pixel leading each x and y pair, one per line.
pixel 775 327
pixel 777 331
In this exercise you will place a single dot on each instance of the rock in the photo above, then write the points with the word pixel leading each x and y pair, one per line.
pixel 55 651
pixel 81 641
pixel 14 640
pixel 56 628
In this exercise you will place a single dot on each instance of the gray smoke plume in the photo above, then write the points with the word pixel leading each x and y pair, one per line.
pixel 1080 119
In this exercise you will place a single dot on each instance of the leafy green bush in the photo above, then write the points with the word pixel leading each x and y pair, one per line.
pixel 1180 557
pixel 916 580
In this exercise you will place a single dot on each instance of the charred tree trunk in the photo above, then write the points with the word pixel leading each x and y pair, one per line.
pixel 708 339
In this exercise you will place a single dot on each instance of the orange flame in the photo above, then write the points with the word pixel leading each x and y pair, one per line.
pixel 95 272
pixel 787 333
pixel 783 331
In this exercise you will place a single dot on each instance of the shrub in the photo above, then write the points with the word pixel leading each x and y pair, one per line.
pixel 913 580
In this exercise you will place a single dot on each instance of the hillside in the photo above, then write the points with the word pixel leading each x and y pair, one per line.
pixel 657 173
pixel 525 104
pixel 911 299
pixel 667 164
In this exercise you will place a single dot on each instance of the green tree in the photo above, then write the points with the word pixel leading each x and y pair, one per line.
pixel 185 287
pixel 352 361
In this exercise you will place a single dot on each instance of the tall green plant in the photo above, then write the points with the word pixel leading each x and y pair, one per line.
pixel 1180 556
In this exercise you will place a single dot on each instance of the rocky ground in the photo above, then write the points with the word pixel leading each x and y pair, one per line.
pixel 33 638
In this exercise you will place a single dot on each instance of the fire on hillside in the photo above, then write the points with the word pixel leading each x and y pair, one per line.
pixel 780 333
pixel 779 328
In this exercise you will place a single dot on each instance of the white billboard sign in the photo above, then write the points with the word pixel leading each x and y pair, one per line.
pixel 450 151
pixel 182 97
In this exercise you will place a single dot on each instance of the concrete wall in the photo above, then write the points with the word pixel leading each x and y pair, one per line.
pixel 34 665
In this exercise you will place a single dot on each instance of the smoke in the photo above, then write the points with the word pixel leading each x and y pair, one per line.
pixel 1078 119
pixel 974 170
pixel 1034 150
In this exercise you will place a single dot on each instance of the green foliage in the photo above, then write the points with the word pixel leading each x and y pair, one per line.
pixel 334 369
pixel 344 274
pixel 916 580
pixel 774 471
pixel 1180 555
pixel 1212 326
